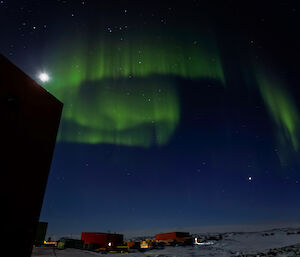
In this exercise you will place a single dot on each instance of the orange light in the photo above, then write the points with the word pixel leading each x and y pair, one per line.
pixel 50 243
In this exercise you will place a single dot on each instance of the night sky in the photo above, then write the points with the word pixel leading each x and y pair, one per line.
pixel 175 114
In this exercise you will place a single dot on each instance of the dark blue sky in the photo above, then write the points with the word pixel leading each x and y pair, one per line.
pixel 221 165
pixel 200 178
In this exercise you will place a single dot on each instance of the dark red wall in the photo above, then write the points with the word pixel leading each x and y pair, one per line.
pixel 101 238
pixel 172 236
pixel 29 118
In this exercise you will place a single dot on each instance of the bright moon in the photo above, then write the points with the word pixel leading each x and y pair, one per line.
pixel 44 77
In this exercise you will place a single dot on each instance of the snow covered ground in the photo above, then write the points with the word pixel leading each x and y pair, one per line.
pixel 277 242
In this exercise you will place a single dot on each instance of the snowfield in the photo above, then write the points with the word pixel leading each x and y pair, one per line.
pixel 277 242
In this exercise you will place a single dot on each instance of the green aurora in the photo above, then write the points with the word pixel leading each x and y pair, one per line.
pixel 138 112
pixel 284 112
pixel 109 56
pixel 122 89
pixel 131 97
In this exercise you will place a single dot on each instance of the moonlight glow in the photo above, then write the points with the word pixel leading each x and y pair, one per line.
pixel 44 77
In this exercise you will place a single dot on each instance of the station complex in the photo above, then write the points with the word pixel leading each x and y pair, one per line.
pixel 112 242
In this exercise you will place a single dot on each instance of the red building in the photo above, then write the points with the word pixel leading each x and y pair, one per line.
pixel 102 239
pixel 173 237
pixel 29 118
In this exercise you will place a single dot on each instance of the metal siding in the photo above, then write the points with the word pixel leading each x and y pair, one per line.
pixel 29 122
